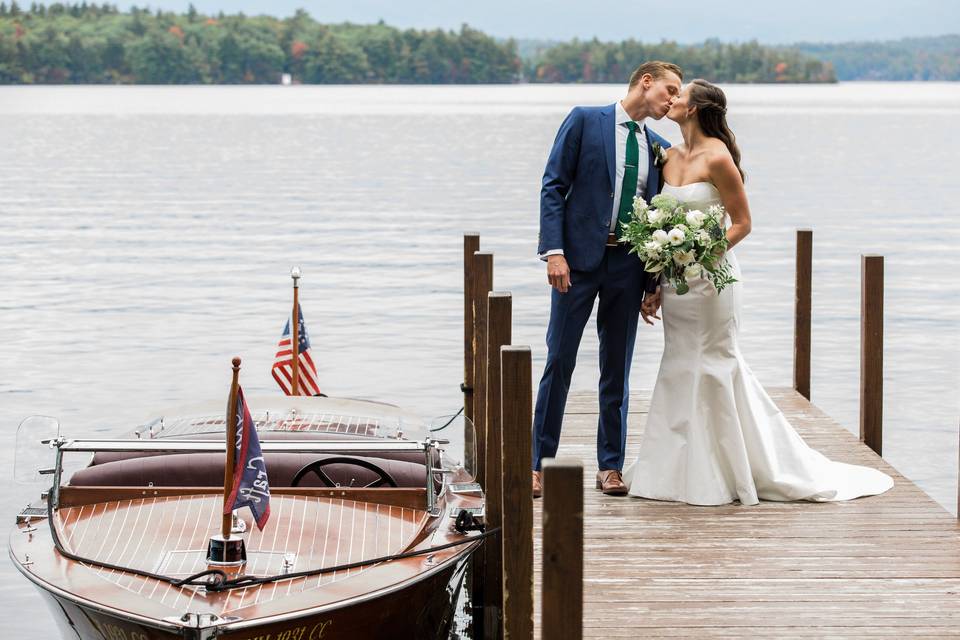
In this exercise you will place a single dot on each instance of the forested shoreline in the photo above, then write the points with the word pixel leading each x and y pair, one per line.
pixel 99 44
pixel 935 58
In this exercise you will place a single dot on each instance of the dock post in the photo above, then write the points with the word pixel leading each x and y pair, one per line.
pixel 482 285
pixel 471 244
pixel 498 334
pixel 561 616
pixel 517 532
pixel 802 313
pixel 480 290
pixel 871 352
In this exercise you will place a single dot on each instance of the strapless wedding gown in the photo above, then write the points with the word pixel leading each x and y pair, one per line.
pixel 713 435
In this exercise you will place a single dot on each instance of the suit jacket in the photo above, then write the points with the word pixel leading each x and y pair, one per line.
pixel 576 199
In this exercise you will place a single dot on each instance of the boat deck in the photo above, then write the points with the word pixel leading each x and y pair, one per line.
pixel 880 566
pixel 168 535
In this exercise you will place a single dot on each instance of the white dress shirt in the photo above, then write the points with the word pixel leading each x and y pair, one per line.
pixel 620 154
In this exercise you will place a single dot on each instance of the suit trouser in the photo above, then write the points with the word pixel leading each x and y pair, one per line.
pixel 618 282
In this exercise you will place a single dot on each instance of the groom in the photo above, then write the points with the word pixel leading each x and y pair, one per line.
pixel 601 159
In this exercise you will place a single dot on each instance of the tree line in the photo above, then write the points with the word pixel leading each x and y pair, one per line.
pixel 97 43
pixel 90 43
pixel 595 61
pixel 934 58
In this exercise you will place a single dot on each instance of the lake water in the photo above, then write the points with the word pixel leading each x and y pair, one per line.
pixel 147 233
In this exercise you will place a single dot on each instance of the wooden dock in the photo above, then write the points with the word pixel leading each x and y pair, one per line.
pixel 879 566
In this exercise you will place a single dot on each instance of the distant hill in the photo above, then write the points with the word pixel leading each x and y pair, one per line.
pixel 936 58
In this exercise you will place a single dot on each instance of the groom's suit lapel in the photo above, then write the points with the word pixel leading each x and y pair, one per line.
pixel 609 142
pixel 653 171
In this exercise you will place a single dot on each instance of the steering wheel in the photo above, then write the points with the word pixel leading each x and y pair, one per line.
pixel 317 467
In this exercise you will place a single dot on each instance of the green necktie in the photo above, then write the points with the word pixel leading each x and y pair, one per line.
pixel 628 189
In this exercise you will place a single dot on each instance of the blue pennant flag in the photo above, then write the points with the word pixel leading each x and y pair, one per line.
pixel 250 485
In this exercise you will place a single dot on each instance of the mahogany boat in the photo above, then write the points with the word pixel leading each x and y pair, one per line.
pixel 373 519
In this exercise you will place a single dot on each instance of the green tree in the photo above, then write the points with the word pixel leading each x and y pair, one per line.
pixel 161 58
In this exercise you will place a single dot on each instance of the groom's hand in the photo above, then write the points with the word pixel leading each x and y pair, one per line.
pixel 650 306
pixel 558 273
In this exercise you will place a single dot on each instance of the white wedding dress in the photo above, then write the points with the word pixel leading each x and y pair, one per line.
pixel 713 435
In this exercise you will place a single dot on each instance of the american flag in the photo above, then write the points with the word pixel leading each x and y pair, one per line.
pixel 283 362
pixel 251 487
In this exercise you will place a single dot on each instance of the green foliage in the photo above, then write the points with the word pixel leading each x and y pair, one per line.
pixel 908 59
pixel 90 43
pixel 595 61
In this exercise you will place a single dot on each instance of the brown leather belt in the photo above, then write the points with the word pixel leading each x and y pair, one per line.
pixel 612 240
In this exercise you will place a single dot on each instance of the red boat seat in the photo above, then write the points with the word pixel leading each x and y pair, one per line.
pixel 102 457
pixel 206 470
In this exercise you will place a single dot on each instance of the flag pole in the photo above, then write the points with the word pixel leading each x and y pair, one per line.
pixel 231 436
pixel 295 332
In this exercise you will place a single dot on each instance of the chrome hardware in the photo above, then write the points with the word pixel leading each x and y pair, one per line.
pixel 238 525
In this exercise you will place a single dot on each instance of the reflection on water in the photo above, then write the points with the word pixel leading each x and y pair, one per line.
pixel 146 234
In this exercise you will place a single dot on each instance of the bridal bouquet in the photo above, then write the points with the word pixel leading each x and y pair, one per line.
pixel 679 242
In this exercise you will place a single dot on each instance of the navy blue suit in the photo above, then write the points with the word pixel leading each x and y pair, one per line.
pixel 576 205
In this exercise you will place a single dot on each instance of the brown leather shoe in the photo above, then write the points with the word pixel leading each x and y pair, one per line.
pixel 611 482
pixel 537 484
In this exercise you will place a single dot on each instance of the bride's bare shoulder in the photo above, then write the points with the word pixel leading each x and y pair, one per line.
pixel 718 156
pixel 722 167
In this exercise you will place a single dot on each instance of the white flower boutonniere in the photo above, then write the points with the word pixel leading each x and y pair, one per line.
pixel 659 155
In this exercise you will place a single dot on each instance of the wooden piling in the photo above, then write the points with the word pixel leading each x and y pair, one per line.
pixel 802 313
pixel 561 616
pixel 871 352
pixel 517 532
pixel 498 334
pixel 471 244
pixel 481 287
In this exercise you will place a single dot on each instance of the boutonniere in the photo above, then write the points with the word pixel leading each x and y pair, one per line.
pixel 659 155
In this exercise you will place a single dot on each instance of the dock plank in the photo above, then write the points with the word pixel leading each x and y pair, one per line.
pixel 880 566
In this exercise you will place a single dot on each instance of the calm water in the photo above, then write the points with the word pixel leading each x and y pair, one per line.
pixel 146 235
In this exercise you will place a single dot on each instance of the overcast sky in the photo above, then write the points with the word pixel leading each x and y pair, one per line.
pixel 769 21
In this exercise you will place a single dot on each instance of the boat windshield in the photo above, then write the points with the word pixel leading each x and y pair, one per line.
pixel 328 417
pixel 335 419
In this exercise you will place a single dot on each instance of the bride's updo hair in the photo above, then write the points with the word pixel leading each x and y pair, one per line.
pixel 711 104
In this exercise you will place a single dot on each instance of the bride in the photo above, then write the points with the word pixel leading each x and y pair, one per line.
pixel 713 436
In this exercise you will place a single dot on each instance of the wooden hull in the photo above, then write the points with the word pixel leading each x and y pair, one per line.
pixel 377 616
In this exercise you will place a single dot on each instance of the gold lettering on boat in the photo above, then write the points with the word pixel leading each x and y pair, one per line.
pixel 319 630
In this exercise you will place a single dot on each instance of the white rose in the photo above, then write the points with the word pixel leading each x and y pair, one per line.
pixel 703 237
pixel 660 237
pixel 683 258
pixel 655 216
pixel 695 218
pixel 652 247
pixel 692 271
pixel 715 212
pixel 676 236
